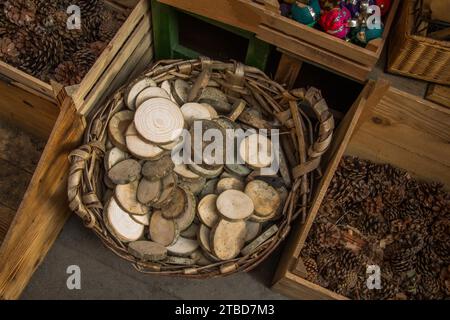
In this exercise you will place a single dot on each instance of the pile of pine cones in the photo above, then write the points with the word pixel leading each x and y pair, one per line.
pixel 34 37
pixel 378 215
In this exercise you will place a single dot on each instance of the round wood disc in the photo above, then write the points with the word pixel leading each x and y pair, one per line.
pixel 207 210
pixel 108 182
pixel 183 171
pixel 256 151
pixel 166 86
pixel 176 206
pixel 139 147
pixel 144 220
pixel 193 186
pixel 120 224
pixel 125 172
pixel 228 239
pixel 185 220
pixel 113 157
pixel 209 187
pixel 163 231
pixel 234 205
pixel 200 258
pixel 149 191
pixel 126 196
pixel 159 120
pixel 183 247
pixel 206 172
pixel 118 126
pixel 173 145
pixel 150 92
pixel 207 152
pixel 226 123
pixel 108 144
pixel 147 250
pixel 265 198
pixel 230 184
pixel 194 111
pixel 169 184
pixel 253 230
pixel 158 169
pixel 191 231
pixel 203 237
pixel 180 91
pixel 212 112
pixel 238 169
pixel 135 88
pixel 216 98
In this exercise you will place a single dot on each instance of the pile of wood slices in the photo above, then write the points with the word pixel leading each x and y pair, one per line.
pixel 375 214
pixel 192 214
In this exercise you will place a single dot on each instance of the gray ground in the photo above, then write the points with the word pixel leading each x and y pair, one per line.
pixel 105 276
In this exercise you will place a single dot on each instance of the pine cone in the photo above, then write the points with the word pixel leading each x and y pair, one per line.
pixel 373 206
pixel 328 235
pixel 427 192
pixel 428 263
pixel 91 10
pixel 68 74
pixel 21 12
pixel 8 50
pixel 348 283
pixel 429 288
pixel 373 225
pixel 312 270
pixel 109 25
pixel 445 280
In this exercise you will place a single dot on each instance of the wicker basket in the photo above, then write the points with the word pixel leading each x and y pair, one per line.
pixel 86 187
pixel 417 56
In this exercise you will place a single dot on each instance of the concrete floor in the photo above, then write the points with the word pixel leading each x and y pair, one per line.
pixel 105 276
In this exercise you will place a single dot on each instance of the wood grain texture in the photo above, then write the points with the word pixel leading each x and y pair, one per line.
pixel 439 94
pixel 27 111
pixel 13 184
pixel 44 209
pixel 6 217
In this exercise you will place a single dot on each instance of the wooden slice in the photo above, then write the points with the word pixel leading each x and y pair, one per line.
pixel 253 230
pixel 179 261
pixel 183 247
pixel 159 120
pixel 207 210
pixel 234 205
pixel 216 98
pixel 139 147
pixel 118 126
pixel 212 112
pixel 126 196
pixel 158 169
pixel 144 220
pixel 228 239
pixel 194 111
pixel 230 184
pixel 206 172
pixel 169 184
pixel 166 86
pixel 180 91
pixel 200 258
pixel 238 107
pixel 120 224
pixel 193 186
pixel 265 198
pixel 125 172
pixel 259 219
pixel 147 250
pixel 183 171
pixel 176 206
pixel 176 145
pixel 209 187
pixel 266 235
pixel 109 145
pixel 135 88
pixel 148 192
pixel 199 85
pixel 256 151
pixel 226 123
pixel 191 231
pixel 207 152
pixel 185 220
pixel 237 169
pixel 108 182
pixel 150 92
pixel 113 157
pixel 163 231
pixel 203 237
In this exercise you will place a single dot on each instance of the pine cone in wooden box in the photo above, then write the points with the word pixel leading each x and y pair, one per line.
pixel 20 12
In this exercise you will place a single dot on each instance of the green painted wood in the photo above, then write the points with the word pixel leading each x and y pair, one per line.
pixel 165 30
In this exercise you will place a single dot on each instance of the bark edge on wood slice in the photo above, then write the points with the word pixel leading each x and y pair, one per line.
pixel 147 250
pixel 161 230
pixel 126 196
pixel 230 183
pixel 158 169
pixel 135 88
pixel 207 210
pixel 149 191
pixel 265 198
pixel 140 148
pixel 169 184
pixel 149 93
pixel 176 205
pixel 117 128
pixel 125 172
pixel 183 247
pixel 188 216
pixel 120 224
pixel 113 156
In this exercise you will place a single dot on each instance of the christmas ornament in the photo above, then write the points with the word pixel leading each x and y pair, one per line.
pixel 384 5
pixel 335 21
pixel 329 4
pixel 303 13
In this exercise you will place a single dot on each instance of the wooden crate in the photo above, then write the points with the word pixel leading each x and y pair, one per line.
pixel 44 208
pixel 439 94
pixel 19 79
pixel 301 41
pixel 385 125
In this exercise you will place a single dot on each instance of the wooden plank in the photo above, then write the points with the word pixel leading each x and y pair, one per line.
pixel 407 132
pixel 27 111
pixel 28 81
pixel 139 35
pixel 44 209
pixel 6 217
pixel 315 55
pixel 13 184
pixel 439 94
pixel 19 148
pixel 110 52
pixel 288 70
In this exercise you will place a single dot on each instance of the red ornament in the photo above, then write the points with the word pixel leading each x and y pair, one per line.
pixel 335 21
pixel 384 5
